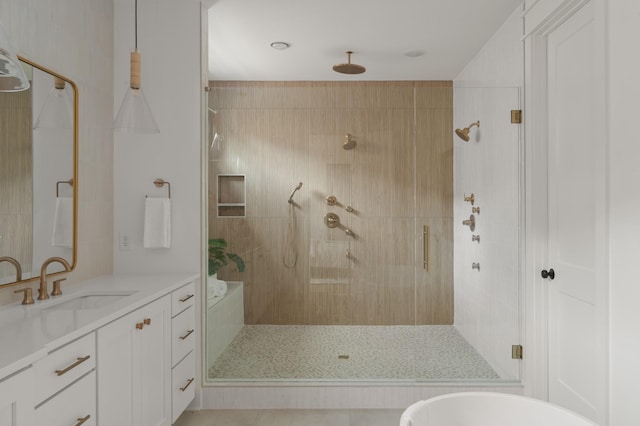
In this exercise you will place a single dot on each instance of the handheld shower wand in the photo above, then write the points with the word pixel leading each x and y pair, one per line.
pixel 290 200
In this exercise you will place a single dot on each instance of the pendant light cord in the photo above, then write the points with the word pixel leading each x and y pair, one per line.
pixel 136 24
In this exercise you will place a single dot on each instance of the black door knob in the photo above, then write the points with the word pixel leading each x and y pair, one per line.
pixel 551 274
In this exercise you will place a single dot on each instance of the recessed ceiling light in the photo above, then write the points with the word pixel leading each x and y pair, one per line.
pixel 280 45
pixel 414 53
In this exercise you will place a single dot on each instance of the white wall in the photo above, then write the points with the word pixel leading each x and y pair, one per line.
pixel 487 301
pixel 169 41
pixel 75 39
pixel 624 92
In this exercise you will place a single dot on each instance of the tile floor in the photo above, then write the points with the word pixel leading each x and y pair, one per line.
pixel 263 352
pixel 290 418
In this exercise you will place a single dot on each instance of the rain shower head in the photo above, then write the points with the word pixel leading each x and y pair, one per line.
pixel 464 133
pixel 349 142
pixel 349 68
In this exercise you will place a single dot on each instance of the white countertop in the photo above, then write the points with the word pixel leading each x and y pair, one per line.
pixel 29 332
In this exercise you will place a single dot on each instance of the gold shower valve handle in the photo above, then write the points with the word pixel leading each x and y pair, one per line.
pixel 332 220
pixel 470 198
pixel 331 200
pixel 471 222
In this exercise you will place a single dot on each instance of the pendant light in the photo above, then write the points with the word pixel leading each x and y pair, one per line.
pixel 12 76
pixel 134 114
pixel 57 110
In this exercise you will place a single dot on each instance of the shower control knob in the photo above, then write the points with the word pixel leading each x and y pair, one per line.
pixel 551 274
pixel 332 220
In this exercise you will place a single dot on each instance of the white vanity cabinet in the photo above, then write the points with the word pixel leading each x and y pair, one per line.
pixel 16 399
pixel 134 368
pixel 183 364
pixel 133 365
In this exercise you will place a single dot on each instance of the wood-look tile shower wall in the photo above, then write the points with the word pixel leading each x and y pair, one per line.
pixel 398 179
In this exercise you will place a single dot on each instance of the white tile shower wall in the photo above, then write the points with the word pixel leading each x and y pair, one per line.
pixel 486 301
pixel 75 39
pixel 169 39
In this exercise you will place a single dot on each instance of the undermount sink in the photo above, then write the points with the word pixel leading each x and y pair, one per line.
pixel 89 301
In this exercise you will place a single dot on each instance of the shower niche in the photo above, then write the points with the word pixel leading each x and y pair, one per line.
pixel 232 195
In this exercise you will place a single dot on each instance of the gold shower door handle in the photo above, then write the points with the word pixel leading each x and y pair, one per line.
pixel 425 247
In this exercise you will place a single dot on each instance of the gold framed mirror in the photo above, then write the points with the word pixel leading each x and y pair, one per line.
pixel 38 175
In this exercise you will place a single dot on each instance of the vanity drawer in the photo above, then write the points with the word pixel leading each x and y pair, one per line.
pixel 183 379
pixel 182 335
pixel 75 405
pixel 64 366
pixel 182 298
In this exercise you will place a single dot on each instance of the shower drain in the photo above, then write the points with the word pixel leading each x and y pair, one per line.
pixel 343 356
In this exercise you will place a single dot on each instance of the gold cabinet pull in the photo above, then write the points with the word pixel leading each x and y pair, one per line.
pixel 74 365
pixel 186 298
pixel 187 335
pixel 147 321
pixel 139 326
pixel 81 420
pixel 184 388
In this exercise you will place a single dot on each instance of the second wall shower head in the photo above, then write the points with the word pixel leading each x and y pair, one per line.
pixel 464 133
pixel 349 142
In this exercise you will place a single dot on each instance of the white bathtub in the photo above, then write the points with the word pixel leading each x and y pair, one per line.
pixel 488 409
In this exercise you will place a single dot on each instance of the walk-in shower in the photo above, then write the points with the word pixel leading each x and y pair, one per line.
pixel 318 303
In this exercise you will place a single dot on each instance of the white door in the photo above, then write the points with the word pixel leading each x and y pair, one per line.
pixel 575 172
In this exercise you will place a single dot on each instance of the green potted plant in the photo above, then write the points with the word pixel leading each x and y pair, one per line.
pixel 218 258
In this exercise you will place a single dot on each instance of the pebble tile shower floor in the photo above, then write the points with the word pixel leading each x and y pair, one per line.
pixel 276 352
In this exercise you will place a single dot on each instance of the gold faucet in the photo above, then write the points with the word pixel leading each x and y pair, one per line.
pixel 14 263
pixel 42 291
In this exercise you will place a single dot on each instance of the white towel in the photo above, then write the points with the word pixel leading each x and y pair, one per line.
pixel 157 222
pixel 63 223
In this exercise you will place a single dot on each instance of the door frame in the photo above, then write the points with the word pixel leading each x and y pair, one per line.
pixel 541 17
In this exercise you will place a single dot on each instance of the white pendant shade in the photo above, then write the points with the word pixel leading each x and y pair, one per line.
pixel 135 115
pixel 57 110
pixel 12 76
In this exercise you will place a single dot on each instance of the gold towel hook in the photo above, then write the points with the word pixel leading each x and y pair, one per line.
pixel 161 182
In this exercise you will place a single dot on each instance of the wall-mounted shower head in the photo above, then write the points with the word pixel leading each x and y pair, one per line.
pixel 349 68
pixel 349 142
pixel 464 133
